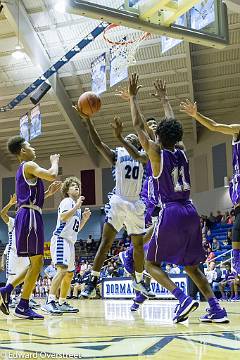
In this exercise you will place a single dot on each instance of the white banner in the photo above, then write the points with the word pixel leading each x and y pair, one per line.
pixel 118 65
pixel 24 127
pixel 36 122
pixel 99 79
pixel 202 14
pixel 121 288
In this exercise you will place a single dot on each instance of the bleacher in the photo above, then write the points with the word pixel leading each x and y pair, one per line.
pixel 219 231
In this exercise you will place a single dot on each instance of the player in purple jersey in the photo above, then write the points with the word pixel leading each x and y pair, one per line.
pixel 233 130
pixel 177 235
pixel 28 222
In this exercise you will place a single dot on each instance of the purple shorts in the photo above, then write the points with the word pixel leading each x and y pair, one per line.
pixel 29 233
pixel 177 237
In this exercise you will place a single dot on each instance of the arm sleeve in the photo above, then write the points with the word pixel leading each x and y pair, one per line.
pixel 10 224
pixel 65 205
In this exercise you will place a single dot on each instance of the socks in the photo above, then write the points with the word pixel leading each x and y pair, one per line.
pixel 61 301
pixel 214 304
pixel 139 276
pixel 23 303
pixel 179 294
pixel 51 297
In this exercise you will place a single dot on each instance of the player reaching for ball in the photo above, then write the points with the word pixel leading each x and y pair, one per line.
pixel 125 206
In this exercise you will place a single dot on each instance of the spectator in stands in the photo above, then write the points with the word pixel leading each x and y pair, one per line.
pixel 175 269
pixel 168 268
pixel 77 284
pixel 225 243
pixel 229 237
pixel 89 243
pixel 216 245
pixel 208 236
pixel 211 273
pixel 211 220
pixel 206 245
pixel 50 271
pixel 210 255
pixel 219 217
pixel 83 266
pixel 229 280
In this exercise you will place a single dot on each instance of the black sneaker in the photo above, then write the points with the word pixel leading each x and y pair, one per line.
pixel 89 290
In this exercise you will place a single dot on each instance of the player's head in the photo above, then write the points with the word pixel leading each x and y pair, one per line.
pixel 152 123
pixel 21 148
pixel 71 187
pixel 133 139
pixel 169 132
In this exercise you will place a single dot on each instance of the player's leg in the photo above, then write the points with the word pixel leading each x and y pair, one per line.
pixel 108 236
pixel 215 313
pixel 236 242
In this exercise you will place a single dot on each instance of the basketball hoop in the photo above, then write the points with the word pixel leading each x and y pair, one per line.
pixel 124 43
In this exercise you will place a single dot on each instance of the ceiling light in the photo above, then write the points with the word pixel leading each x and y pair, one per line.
pixel 60 6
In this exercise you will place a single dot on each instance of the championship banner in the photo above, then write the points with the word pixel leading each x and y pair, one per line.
pixel 168 42
pixel 24 127
pixel 121 288
pixel 202 14
pixel 36 122
pixel 47 254
pixel 99 75
pixel 118 65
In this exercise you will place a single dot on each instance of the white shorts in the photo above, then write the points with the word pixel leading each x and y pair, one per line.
pixel 15 265
pixel 62 252
pixel 121 212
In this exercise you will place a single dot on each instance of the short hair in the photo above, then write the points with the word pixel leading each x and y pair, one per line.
pixel 67 183
pixel 151 119
pixel 15 144
pixel 170 132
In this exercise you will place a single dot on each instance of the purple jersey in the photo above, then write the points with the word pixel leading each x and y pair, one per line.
pixel 234 186
pixel 174 180
pixel 149 193
pixel 28 192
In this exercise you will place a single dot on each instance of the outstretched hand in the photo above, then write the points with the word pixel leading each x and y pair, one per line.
pixel 86 214
pixel 160 90
pixel 117 126
pixel 189 108
pixel 54 187
pixel 13 199
pixel 133 85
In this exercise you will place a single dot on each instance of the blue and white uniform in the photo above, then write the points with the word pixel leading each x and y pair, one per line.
pixel 65 235
pixel 14 265
pixel 125 205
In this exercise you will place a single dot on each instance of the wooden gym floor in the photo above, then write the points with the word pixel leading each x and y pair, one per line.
pixel 108 330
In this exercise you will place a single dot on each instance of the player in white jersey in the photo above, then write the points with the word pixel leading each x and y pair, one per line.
pixel 125 207
pixel 70 221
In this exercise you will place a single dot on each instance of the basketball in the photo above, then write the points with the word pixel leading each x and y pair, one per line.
pixel 89 103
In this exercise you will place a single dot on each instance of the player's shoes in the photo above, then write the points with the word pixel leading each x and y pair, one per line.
pixel 13 303
pixel 89 290
pixel 51 308
pixel 126 258
pixel 143 288
pixel 183 310
pixel 235 298
pixel 4 301
pixel 33 304
pixel 139 299
pixel 67 308
pixel 223 298
pixel 219 316
pixel 27 314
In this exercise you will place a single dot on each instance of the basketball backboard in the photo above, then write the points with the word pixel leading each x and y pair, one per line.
pixel 205 22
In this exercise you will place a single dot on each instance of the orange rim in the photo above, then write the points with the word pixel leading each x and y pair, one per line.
pixel 122 43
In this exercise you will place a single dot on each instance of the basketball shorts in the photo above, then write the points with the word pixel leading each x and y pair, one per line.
pixel 62 252
pixel 177 237
pixel 121 212
pixel 29 232
pixel 15 265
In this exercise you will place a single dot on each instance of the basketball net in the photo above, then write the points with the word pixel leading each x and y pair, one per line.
pixel 124 44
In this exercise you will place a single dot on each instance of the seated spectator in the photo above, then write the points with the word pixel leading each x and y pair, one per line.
pixel 229 279
pixel 229 237
pixel 225 243
pixel 175 269
pixel 77 284
pixel 211 220
pixel 208 236
pixel 168 268
pixel 89 243
pixel 219 217
pixel 210 255
pixel 210 272
pixel 216 245
pixel 206 245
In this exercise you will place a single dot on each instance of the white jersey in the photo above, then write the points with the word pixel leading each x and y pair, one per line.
pixel 70 228
pixel 11 235
pixel 129 175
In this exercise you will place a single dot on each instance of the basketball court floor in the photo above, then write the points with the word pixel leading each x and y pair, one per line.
pixel 107 329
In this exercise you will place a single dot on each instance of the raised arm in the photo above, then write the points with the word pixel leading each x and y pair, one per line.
pixel 4 211
pixel 190 109
pixel 151 148
pixel 117 126
pixel 161 94
pixel 31 169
